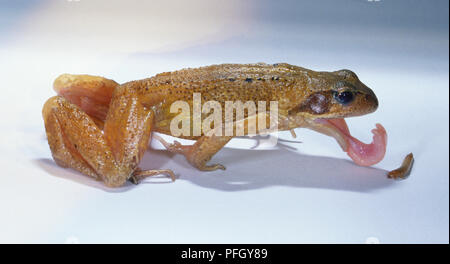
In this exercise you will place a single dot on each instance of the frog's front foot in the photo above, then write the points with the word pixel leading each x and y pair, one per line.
pixel 203 167
pixel 197 155
pixel 175 147
pixel 200 164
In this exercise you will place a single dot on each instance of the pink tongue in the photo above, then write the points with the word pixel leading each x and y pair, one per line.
pixel 363 154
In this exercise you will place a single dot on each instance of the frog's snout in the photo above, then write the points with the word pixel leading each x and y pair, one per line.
pixel 371 102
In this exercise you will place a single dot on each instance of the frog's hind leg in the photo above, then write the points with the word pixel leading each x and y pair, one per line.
pixel 63 151
pixel 111 155
pixel 91 93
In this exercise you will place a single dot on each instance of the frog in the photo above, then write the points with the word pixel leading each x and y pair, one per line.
pixel 102 128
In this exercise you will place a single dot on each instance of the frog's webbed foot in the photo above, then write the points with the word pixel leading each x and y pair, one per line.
pixel 199 153
pixel 139 175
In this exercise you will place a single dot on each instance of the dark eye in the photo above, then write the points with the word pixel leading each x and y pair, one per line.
pixel 344 97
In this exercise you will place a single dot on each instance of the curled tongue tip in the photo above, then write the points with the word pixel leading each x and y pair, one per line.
pixel 368 154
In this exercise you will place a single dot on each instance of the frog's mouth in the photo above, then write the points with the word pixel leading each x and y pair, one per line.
pixel 362 154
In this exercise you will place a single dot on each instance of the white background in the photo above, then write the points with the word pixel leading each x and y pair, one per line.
pixel 308 192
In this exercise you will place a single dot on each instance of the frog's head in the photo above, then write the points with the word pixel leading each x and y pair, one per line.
pixel 338 94
pixel 333 96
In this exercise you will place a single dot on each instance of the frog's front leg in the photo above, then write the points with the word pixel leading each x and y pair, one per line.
pixel 111 155
pixel 208 145
pixel 200 152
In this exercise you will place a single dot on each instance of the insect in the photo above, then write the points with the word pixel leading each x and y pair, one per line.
pixel 404 170
pixel 102 128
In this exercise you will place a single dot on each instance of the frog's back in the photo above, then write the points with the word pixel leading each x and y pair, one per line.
pixel 225 82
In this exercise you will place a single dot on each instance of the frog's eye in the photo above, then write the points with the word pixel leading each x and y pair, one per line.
pixel 344 97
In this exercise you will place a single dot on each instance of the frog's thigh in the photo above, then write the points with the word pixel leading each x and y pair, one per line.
pixel 63 151
pixel 76 142
pixel 91 93
pixel 113 155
